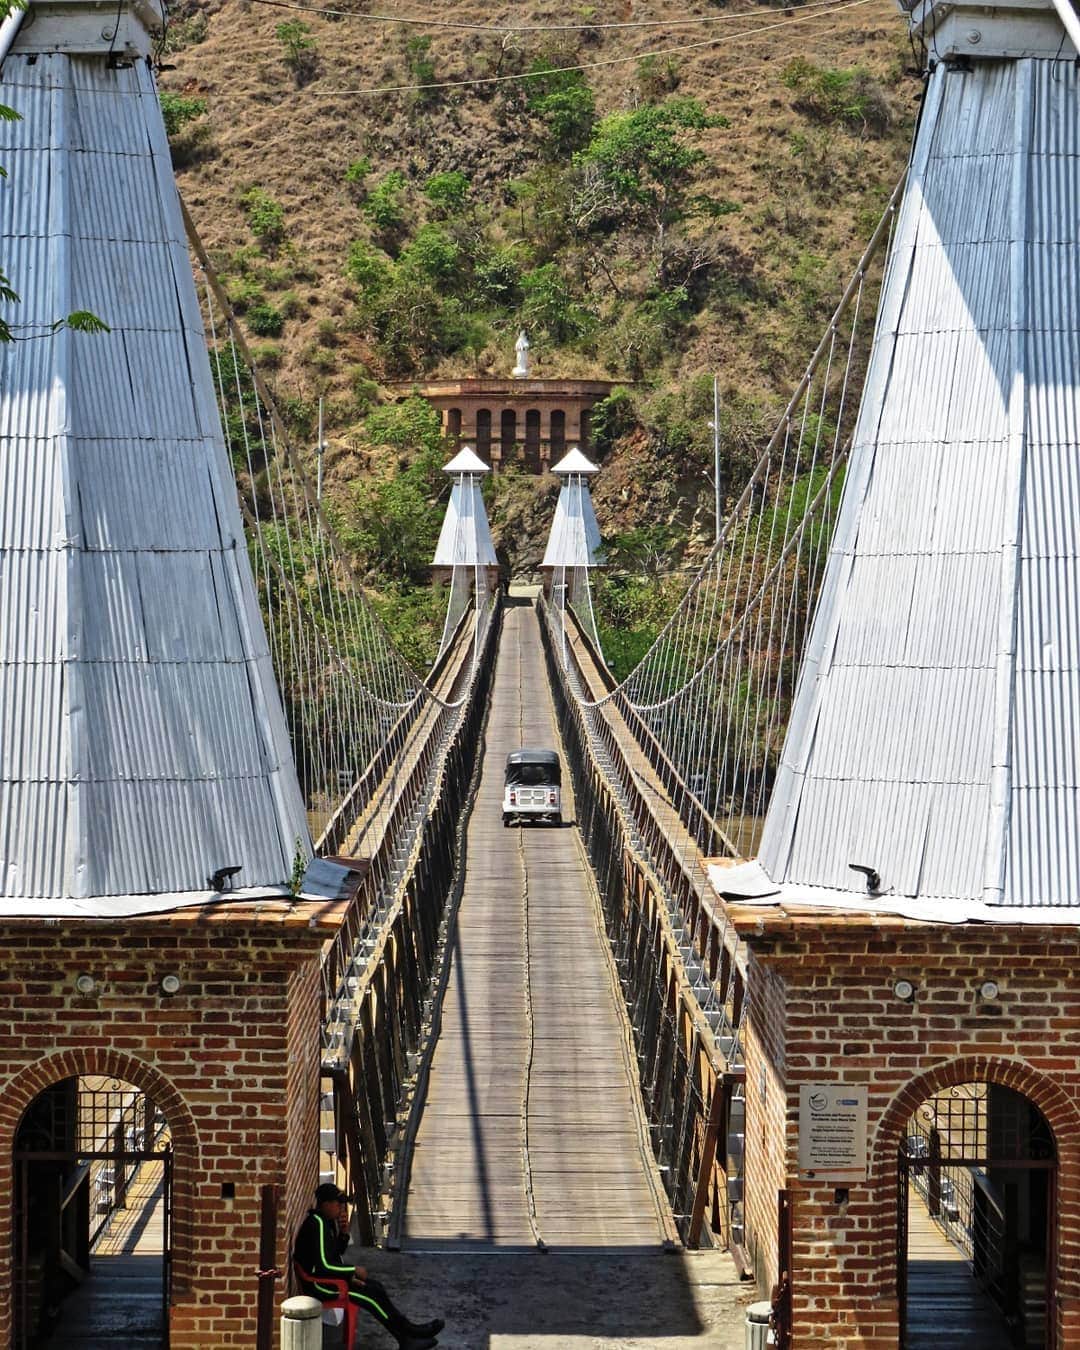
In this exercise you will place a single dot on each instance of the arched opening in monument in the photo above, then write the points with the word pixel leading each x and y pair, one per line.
pixel 91 1222
pixel 453 423
pixel 508 434
pixel 558 435
pixel 532 439
pixel 586 428
pixel 976 1222
pixel 483 434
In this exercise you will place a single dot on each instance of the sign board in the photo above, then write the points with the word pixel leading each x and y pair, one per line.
pixel 832 1132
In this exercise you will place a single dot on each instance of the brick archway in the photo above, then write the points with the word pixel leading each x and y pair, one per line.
pixel 17 1093
pixel 1060 1113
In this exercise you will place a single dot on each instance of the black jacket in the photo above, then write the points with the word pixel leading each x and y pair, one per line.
pixel 319 1248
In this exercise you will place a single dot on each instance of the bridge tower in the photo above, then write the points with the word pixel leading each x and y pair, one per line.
pixel 912 915
pixel 149 808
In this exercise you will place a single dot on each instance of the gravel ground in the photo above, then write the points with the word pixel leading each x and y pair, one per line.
pixel 565 1301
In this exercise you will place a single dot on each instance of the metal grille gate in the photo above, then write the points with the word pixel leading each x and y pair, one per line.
pixel 970 1150
pixel 77 1151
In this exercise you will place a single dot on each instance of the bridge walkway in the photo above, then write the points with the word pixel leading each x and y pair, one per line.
pixel 946 1308
pixel 532 1129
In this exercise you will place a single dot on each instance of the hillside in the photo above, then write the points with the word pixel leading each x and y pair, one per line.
pixel 660 215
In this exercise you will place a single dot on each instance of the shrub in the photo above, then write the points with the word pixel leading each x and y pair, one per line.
pixel 266 355
pixel 611 418
pixel 410 425
pixel 265 217
pixel 549 305
pixel 384 206
pixel 432 253
pixel 851 98
pixel 264 319
pixel 657 77
pixel 448 191
pixel 243 291
pixel 178 111
pixel 370 270
pixel 355 174
pixel 300 50
pixel 421 67
pixel 498 276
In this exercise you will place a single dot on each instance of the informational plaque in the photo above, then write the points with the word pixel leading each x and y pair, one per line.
pixel 832 1132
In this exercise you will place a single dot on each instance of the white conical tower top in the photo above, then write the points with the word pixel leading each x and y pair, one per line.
pixel 145 748
pixel 574 540
pixel 465 537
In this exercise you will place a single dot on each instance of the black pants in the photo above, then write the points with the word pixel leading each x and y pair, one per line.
pixel 372 1297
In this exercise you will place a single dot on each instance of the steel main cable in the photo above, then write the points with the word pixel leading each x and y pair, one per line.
pixel 685 22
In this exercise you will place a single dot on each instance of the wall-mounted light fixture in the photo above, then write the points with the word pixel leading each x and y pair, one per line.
pixel 904 990
pixel 988 990
pixel 170 984
pixel 85 984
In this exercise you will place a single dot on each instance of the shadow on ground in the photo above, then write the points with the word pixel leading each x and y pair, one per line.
pixel 565 1301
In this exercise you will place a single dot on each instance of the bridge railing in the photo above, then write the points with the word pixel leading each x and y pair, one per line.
pixel 378 971
pixel 679 963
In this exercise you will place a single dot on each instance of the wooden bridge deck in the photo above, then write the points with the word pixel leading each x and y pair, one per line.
pixel 531 1130
pixel 946 1309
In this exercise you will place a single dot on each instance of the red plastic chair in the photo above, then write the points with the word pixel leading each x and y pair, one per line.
pixel 343 1301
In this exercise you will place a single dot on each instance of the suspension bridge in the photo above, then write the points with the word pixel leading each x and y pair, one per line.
pixel 545 1039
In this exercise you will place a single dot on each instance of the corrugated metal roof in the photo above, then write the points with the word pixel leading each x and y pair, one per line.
pixel 936 730
pixel 144 744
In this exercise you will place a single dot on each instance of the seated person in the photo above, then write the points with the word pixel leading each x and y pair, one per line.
pixel 320 1245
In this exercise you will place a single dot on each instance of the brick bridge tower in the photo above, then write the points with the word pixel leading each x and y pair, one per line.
pixel 913 1052
pixel 149 807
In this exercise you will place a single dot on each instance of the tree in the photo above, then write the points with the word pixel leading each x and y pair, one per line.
pixel 300 52
pixel 563 101
pixel 639 165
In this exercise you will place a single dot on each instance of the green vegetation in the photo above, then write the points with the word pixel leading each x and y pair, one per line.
pixel 563 103
pixel 851 98
pixel 300 54
pixel 178 111
pixel 266 218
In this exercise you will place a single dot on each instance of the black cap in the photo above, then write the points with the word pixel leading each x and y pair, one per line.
pixel 328 1191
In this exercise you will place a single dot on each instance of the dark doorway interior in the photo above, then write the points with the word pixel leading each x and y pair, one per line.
pixel 976 1222
pixel 508 434
pixel 93 1183
pixel 532 440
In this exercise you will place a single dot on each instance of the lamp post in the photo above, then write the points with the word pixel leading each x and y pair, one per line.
pixel 715 427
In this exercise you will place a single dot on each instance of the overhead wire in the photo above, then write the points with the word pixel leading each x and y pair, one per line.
pixel 459 25
pixel 824 12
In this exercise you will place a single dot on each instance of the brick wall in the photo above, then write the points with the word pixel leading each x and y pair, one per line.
pixel 822 1008
pixel 231 1060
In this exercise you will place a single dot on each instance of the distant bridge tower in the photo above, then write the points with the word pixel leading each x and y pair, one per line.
pixel 144 742
pixel 465 537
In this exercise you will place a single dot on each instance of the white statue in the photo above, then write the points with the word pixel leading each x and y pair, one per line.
pixel 521 346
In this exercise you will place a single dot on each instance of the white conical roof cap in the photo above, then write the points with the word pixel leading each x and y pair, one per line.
pixel 574 540
pixel 466 461
pixel 575 462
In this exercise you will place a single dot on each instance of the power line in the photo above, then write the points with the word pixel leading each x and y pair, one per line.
pixel 525 28
pixel 586 65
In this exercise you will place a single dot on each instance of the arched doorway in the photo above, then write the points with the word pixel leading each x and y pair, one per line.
pixel 92 1164
pixel 453 424
pixel 976 1222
